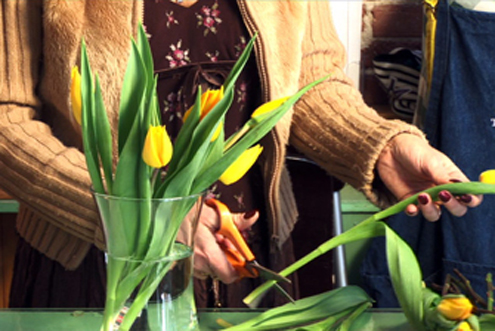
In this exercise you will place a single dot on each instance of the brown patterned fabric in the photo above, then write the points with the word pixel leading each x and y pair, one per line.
pixel 198 46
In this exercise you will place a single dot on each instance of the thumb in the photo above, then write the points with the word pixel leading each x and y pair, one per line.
pixel 244 221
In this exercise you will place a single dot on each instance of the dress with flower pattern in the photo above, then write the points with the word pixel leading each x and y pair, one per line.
pixel 197 46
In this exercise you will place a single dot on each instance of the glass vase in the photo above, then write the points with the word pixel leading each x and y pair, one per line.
pixel 150 244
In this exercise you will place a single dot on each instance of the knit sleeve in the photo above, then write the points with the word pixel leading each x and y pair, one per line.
pixel 331 124
pixel 37 169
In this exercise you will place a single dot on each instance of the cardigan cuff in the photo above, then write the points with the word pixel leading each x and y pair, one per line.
pixel 50 240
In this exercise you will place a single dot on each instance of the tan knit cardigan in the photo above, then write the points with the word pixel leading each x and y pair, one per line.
pixel 41 163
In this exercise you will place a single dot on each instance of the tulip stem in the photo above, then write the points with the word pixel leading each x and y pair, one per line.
pixel 154 177
pixel 466 284
pixel 353 233
pixel 489 293
pixel 238 135
pixel 114 270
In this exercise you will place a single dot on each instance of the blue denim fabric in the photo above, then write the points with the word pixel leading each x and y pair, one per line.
pixel 459 122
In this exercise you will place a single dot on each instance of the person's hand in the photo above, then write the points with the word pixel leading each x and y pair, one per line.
pixel 409 165
pixel 209 259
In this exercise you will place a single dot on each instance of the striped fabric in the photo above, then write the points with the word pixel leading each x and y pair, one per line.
pixel 398 73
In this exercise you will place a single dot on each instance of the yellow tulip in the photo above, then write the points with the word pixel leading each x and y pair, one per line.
pixel 208 100
pixel 240 166
pixel 455 308
pixel 268 107
pixel 488 176
pixel 157 150
pixel 75 94
pixel 261 110
pixel 464 326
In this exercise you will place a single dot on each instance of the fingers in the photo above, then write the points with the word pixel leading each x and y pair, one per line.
pixel 209 258
pixel 244 221
pixel 453 205
pixel 471 200
pixel 428 208
pixel 431 210
pixel 468 200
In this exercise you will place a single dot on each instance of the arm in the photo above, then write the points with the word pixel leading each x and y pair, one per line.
pixel 331 123
pixel 37 168
pixel 334 126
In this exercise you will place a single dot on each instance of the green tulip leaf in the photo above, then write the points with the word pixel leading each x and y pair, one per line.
pixel 103 136
pixel 306 310
pixel 131 98
pixel 90 142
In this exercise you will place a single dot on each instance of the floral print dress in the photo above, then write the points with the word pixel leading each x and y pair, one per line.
pixel 197 46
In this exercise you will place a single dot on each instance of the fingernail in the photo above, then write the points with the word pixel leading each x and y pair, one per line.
pixel 423 199
pixel 444 196
pixel 453 180
pixel 250 213
pixel 466 198
pixel 408 213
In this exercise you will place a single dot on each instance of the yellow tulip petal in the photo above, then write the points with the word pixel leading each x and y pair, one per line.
pixel 186 114
pixel 240 166
pixel 488 176
pixel 157 150
pixel 217 132
pixel 75 94
pixel 464 326
pixel 268 107
pixel 455 308
pixel 209 99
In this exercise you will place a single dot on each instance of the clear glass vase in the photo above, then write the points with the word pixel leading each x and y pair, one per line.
pixel 150 244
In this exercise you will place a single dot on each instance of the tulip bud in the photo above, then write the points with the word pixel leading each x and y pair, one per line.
pixel 240 166
pixel 456 308
pixel 75 94
pixel 157 150
pixel 488 176
pixel 464 326
pixel 268 107
pixel 208 100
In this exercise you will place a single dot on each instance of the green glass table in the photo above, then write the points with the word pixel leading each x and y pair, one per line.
pixel 89 320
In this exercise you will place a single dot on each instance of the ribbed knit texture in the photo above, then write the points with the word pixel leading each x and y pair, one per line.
pixel 333 125
pixel 42 165
pixel 40 159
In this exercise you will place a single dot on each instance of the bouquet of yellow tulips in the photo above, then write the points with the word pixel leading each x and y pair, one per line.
pixel 152 166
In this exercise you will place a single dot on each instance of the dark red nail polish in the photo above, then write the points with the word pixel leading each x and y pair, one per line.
pixel 453 180
pixel 466 198
pixel 444 196
pixel 250 213
pixel 423 199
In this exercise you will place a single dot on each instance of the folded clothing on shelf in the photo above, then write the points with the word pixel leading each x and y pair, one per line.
pixel 398 73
